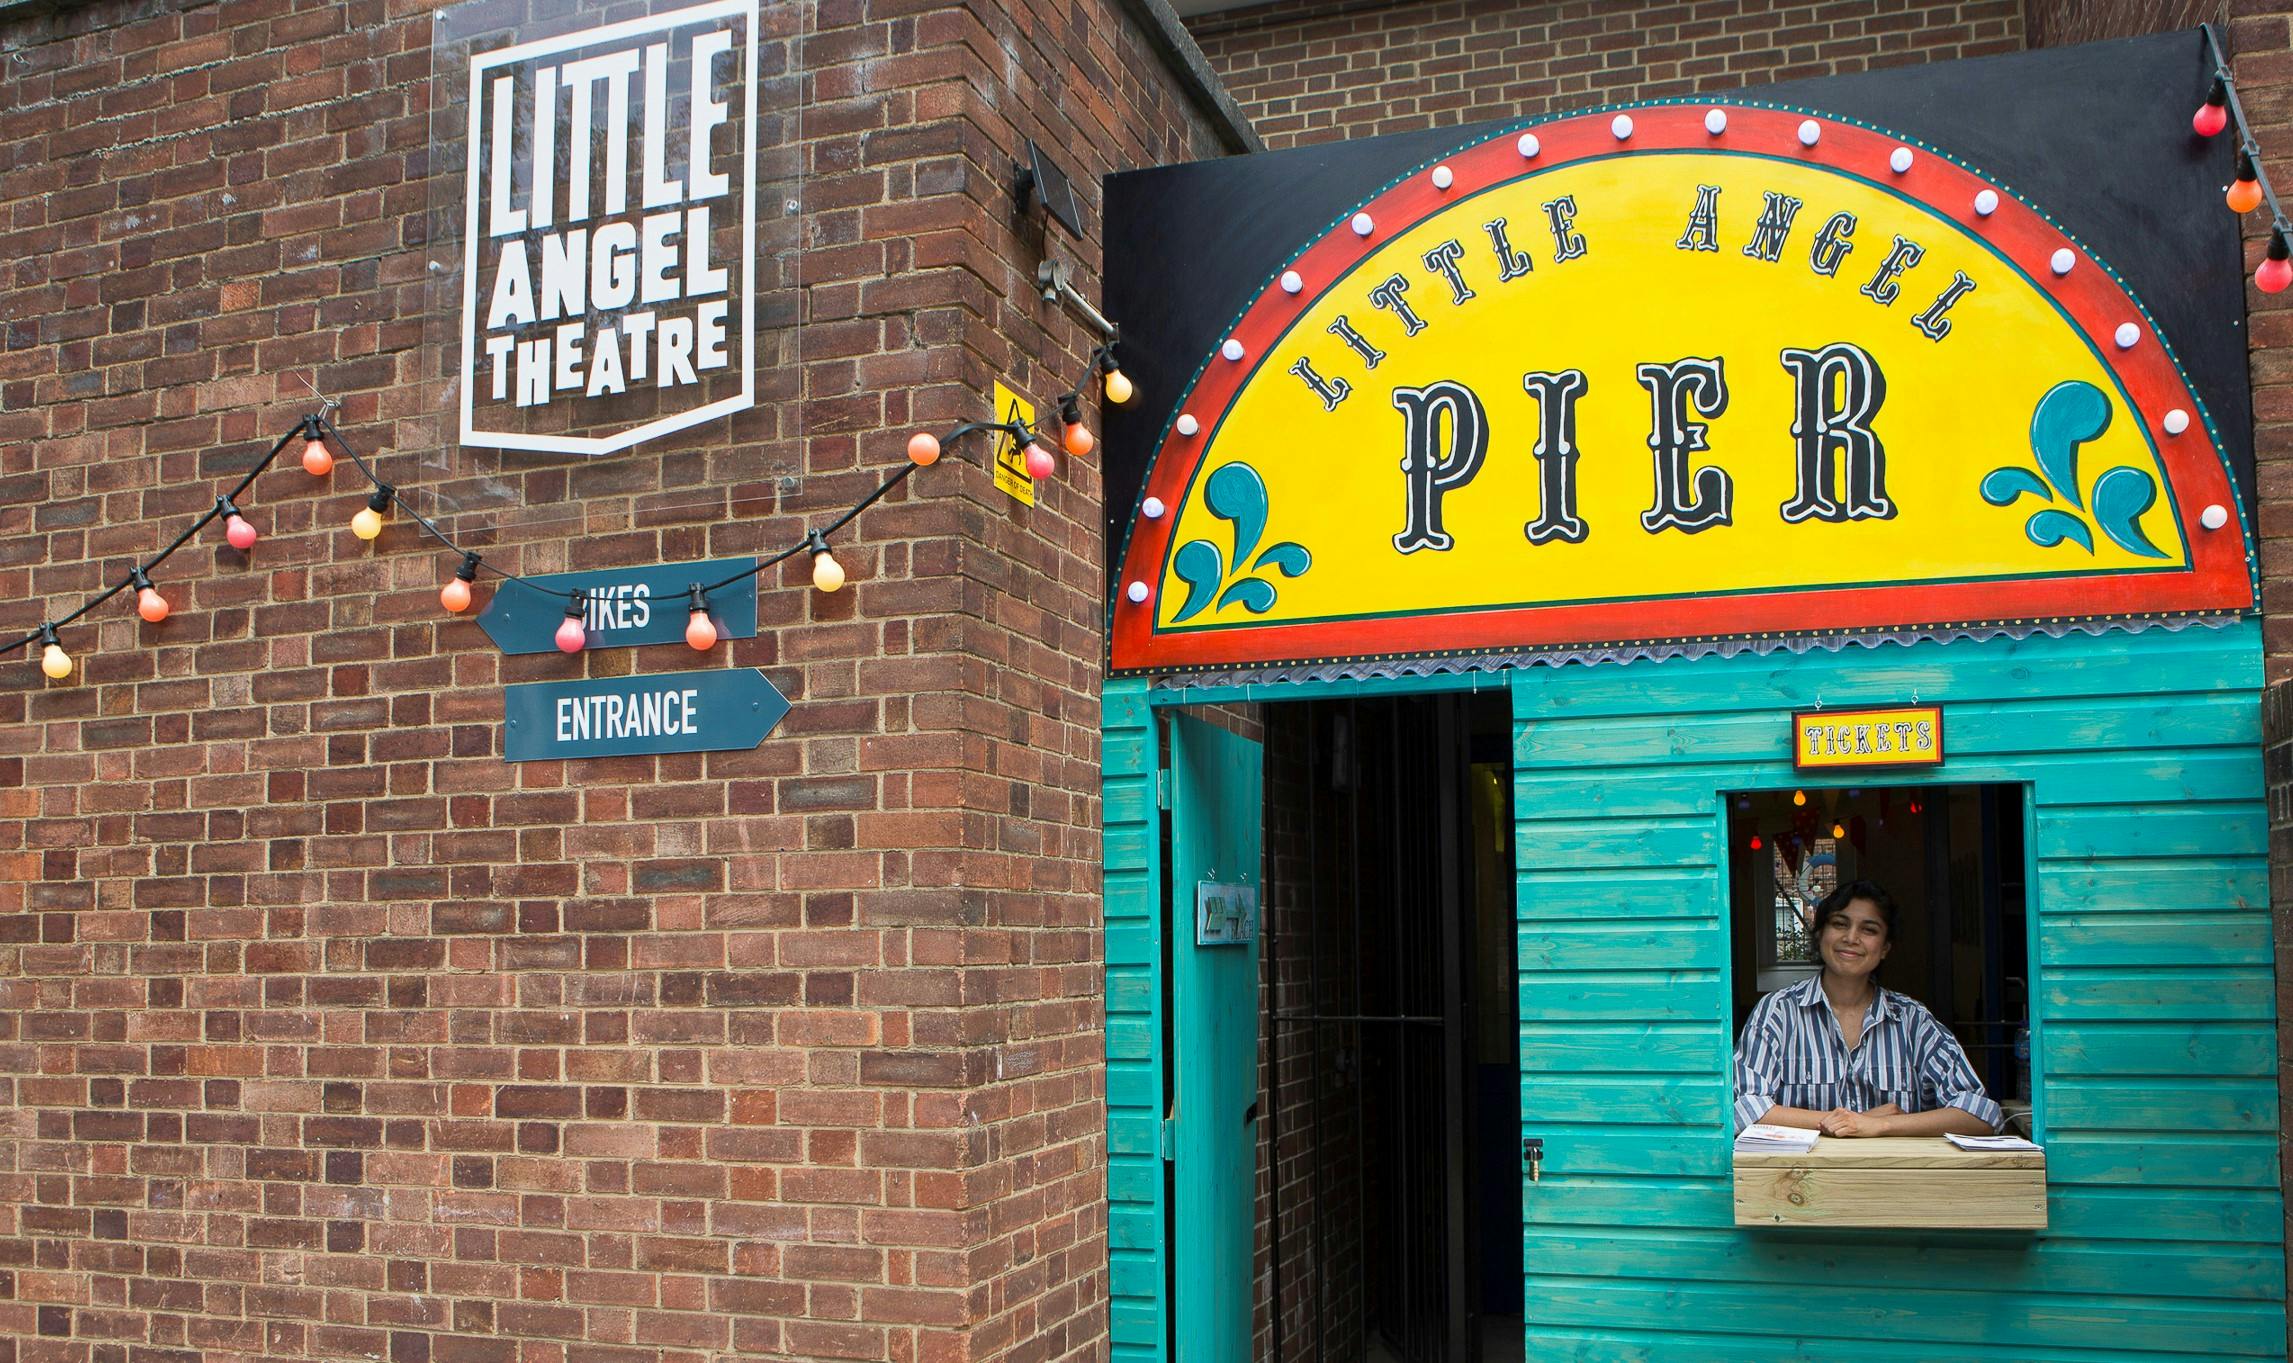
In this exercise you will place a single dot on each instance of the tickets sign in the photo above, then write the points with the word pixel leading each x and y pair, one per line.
pixel 608 289
pixel 1677 373
pixel 1831 740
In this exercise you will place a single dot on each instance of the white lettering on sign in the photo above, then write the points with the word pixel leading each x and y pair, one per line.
pixel 631 714
pixel 624 605
pixel 610 173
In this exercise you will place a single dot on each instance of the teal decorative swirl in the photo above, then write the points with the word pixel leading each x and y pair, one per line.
pixel 1235 494
pixel 2072 414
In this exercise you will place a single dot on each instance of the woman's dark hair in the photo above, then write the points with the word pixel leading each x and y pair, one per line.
pixel 1850 892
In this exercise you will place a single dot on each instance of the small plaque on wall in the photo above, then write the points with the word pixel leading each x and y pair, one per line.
pixel 1225 915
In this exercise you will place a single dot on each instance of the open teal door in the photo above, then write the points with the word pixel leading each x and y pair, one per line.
pixel 1215 814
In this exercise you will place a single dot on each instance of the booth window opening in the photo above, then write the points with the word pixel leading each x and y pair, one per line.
pixel 1953 859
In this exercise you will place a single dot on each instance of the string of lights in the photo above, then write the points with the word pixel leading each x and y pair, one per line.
pixel 321 438
pixel 2251 189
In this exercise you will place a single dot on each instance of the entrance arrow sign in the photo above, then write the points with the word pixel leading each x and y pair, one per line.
pixel 710 711
pixel 627 606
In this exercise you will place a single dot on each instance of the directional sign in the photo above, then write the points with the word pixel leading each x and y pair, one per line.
pixel 629 716
pixel 627 606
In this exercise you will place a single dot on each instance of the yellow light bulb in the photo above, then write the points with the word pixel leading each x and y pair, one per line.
pixel 1839 830
pixel 367 523
pixel 1799 797
pixel 1119 387
pixel 827 573
pixel 55 662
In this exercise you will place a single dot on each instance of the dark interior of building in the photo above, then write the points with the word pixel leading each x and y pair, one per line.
pixel 1390 1167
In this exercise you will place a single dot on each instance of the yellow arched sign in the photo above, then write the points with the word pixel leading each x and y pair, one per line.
pixel 1676 373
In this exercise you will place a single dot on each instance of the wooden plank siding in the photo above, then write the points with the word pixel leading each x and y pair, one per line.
pixel 1137 1257
pixel 2155 1052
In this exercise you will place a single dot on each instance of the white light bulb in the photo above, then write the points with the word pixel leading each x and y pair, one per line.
pixel 1443 177
pixel 2063 260
pixel 1137 592
pixel 1716 122
pixel 1292 281
pixel 1232 350
pixel 1810 132
pixel 827 573
pixel 2214 517
pixel 1152 508
pixel 2128 336
pixel 1528 145
pixel 1621 125
pixel 1899 160
pixel 2177 421
pixel 1363 225
pixel 1187 425
pixel 1986 203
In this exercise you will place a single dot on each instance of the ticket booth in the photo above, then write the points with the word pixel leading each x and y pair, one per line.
pixel 1547 559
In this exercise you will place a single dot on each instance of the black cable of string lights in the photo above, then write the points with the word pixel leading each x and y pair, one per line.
pixel 320 437
pixel 2251 188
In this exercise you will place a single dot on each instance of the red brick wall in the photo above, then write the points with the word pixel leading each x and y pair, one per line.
pixel 1320 70
pixel 326 1034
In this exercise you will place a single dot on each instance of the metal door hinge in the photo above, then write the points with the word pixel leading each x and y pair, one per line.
pixel 1162 790
pixel 1167 1138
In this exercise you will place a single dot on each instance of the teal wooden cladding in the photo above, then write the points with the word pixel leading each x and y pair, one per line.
pixel 1137 1255
pixel 2155 1053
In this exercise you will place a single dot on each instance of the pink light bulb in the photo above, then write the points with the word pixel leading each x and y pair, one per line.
pixel 1040 464
pixel 701 631
pixel 2274 275
pixel 571 636
pixel 240 532
pixel 2210 119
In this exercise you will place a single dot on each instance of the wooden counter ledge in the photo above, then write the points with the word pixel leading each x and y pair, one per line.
pixel 1921 1181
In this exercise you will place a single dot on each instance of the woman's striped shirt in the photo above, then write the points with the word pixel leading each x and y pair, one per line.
pixel 1792 1055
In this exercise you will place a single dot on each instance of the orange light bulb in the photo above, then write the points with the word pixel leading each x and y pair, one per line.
pixel 701 632
pixel 2244 196
pixel 455 595
pixel 923 449
pixel 151 605
pixel 1079 439
pixel 318 460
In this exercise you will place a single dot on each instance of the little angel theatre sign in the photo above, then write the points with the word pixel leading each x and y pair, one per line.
pixel 609 228
pixel 1676 372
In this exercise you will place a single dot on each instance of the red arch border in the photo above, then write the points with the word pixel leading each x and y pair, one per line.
pixel 2219 579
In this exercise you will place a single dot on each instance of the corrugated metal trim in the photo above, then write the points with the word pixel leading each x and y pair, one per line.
pixel 1461 664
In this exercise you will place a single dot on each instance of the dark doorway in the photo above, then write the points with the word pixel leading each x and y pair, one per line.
pixel 1389 1169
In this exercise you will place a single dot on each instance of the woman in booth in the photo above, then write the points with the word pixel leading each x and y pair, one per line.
pixel 1838 1054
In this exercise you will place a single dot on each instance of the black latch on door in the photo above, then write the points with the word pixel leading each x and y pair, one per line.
pixel 1533 1155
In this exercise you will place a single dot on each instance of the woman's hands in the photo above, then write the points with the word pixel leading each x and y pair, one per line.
pixel 1846 1122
